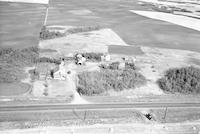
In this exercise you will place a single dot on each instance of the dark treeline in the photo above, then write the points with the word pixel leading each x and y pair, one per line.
pixel 47 34
pixel 184 80
pixel 99 82
pixel 13 61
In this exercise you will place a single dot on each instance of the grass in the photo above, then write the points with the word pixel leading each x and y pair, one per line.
pixel 43 68
pixel 185 80
pixel 98 82
pixel 176 115
pixel 125 50
pixel 195 61
pixel 13 89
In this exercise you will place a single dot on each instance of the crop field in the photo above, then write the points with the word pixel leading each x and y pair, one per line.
pixel 97 52
pixel 20 24
pixel 132 28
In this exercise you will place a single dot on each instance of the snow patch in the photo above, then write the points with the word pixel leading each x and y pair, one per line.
pixel 6 99
pixel 80 12
pixel 184 21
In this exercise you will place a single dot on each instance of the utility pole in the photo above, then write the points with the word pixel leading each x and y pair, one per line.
pixel 164 118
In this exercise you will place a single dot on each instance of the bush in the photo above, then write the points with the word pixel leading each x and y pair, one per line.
pixel 130 66
pixel 4 51
pixel 93 56
pixel 48 60
pixel 115 66
pixel 92 83
pixel 34 74
pixel 111 66
pixel 47 34
pixel 82 29
pixel 184 80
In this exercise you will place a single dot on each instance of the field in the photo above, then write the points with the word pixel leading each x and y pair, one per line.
pixel 92 41
pixel 132 28
pixel 20 24
pixel 137 31
pixel 92 26
pixel 125 50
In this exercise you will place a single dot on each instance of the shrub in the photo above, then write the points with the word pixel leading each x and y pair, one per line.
pixel 92 83
pixel 111 66
pixel 82 29
pixel 4 51
pixel 130 66
pixel 115 66
pixel 93 56
pixel 49 60
pixel 103 66
pixel 184 80
pixel 34 74
pixel 47 34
